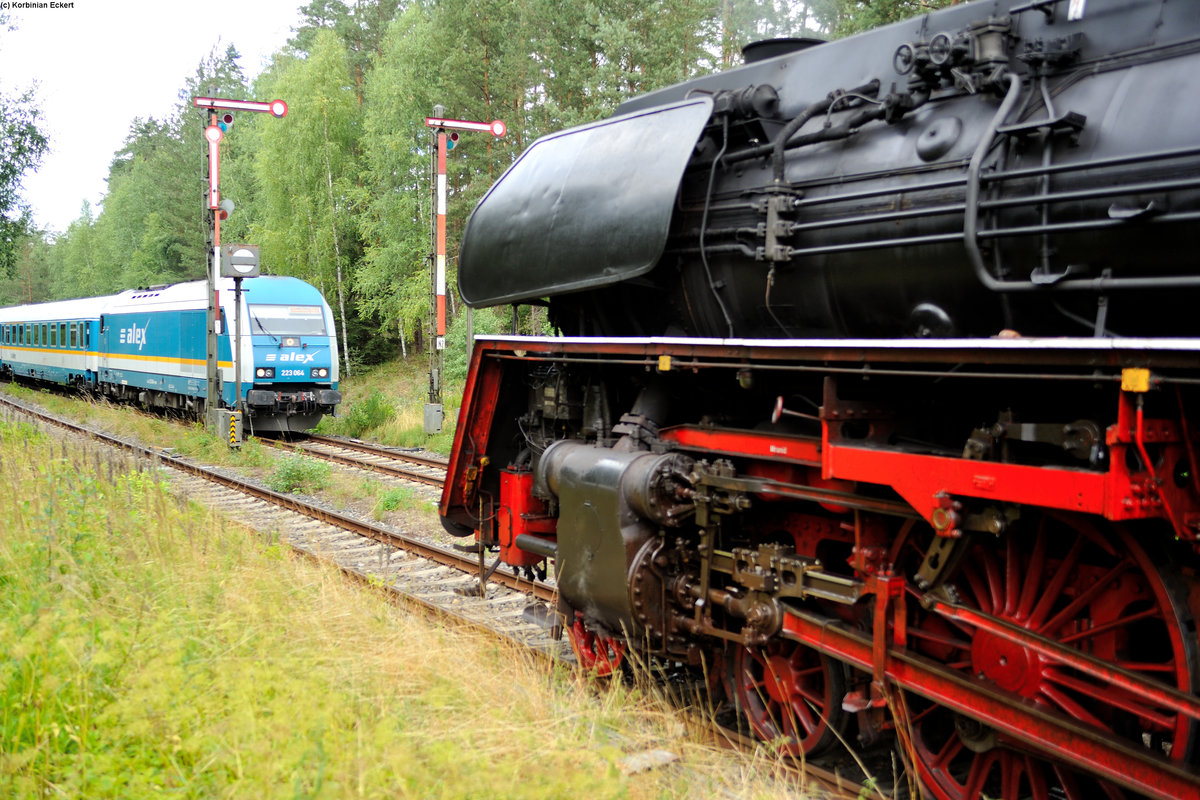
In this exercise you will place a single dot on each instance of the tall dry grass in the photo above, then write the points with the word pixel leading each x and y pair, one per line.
pixel 150 648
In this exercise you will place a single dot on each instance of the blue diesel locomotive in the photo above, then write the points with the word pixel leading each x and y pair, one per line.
pixel 148 346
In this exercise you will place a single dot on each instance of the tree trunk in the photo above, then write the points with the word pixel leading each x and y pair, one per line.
pixel 337 248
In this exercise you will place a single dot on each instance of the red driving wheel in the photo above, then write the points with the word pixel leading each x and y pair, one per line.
pixel 789 694
pixel 1063 579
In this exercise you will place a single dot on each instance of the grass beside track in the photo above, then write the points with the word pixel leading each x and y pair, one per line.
pixel 151 647
pixel 386 404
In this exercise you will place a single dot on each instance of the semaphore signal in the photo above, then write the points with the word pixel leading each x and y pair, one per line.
pixel 276 108
pixel 496 127
pixel 444 142
pixel 220 119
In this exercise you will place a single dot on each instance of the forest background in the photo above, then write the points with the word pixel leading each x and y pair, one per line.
pixel 339 193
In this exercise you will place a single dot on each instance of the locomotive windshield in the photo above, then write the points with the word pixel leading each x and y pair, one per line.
pixel 287 320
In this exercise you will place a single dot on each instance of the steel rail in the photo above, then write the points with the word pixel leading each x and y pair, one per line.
pixel 397 472
pixel 376 450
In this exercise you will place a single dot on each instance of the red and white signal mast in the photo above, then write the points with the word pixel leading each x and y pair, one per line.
pixel 445 137
pixel 220 118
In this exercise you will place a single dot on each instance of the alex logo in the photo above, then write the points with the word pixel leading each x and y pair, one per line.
pixel 296 358
pixel 135 335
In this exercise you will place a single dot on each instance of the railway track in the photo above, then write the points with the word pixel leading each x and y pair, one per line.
pixel 396 463
pixel 444 581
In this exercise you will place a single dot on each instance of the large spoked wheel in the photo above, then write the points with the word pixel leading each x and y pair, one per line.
pixel 789 694
pixel 1097 592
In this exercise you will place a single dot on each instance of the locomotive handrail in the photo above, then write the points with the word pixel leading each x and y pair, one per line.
pixel 1039 171
pixel 972 235
pixel 1010 202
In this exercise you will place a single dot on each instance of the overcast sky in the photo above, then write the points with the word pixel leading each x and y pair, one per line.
pixel 99 63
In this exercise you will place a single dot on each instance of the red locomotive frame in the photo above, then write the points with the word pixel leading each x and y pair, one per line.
pixel 1016 667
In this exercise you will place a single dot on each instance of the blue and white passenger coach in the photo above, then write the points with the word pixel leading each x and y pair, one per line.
pixel 148 345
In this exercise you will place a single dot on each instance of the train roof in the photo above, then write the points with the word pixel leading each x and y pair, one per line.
pixel 275 289
pixel 176 296
pixel 82 308
pixel 191 295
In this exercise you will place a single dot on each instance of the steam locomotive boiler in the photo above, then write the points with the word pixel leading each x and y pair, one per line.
pixel 877 395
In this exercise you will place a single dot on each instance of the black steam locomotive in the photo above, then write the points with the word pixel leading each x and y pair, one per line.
pixel 877 395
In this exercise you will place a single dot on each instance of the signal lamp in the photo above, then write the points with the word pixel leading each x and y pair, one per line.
pixel 225 121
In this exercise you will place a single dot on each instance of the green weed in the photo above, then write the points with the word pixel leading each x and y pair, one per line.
pixel 300 474
pixel 395 499
pixel 361 416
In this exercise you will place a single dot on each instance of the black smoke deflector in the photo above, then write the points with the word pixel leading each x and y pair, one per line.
pixel 535 232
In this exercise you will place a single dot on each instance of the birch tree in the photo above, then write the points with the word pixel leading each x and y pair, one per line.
pixel 306 167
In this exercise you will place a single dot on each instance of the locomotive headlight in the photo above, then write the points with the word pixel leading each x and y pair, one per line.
pixel 264 372
pixel 319 372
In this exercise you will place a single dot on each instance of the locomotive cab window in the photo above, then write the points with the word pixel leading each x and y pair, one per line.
pixel 287 320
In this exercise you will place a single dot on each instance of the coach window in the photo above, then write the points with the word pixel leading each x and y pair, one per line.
pixel 62 334
pixel 74 335
pixel 53 335
pixel 45 335
pixel 37 335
